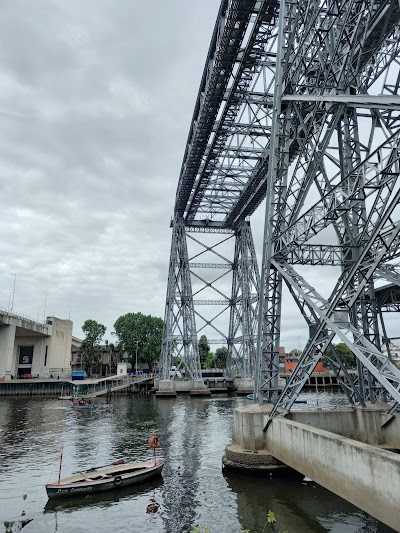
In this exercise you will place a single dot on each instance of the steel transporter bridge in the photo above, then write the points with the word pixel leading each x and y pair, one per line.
pixel 298 109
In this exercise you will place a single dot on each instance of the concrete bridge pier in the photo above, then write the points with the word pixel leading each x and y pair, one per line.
pixel 244 385
pixel 346 451
pixel 170 387
pixel 7 342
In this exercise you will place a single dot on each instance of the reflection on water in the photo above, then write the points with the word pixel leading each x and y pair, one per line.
pixel 194 490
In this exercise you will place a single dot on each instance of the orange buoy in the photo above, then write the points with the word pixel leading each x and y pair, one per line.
pixel 154 442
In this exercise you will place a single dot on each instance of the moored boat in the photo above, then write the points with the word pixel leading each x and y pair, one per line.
pixel 107 477
pixel 104 478
pixel 81 404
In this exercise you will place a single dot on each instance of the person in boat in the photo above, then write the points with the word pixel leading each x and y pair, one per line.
pixel 81 402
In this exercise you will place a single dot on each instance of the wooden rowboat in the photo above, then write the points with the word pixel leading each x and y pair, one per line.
pixel 105 478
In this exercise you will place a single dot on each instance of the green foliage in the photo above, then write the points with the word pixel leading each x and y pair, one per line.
pixel 295 351
pixel 141 332
pixel 221 355
pixel 113 355
pixel 204 349
pixel 347 356
pixel 271 522
pixel 94 333
pixel 210 361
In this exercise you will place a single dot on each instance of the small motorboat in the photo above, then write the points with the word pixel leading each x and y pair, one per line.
pixel 105 478
pixel 108 477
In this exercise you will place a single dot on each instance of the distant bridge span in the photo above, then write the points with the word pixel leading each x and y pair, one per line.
pixel 299 106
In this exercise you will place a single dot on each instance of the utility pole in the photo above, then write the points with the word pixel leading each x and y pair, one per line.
pixel 137 345
pixel 45 303
pixel 13 292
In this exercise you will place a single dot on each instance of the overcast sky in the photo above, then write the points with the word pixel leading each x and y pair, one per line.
pixel 96 99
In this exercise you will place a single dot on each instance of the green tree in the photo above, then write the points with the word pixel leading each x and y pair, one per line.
pixel 113 357
pixel 204 349
pixel 143 333
pixel 347 356
pixel 295 351
pixel 221 355
pixel 90 353
pixel 210 361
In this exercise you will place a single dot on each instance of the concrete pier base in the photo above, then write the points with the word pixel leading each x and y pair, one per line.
pixel 252 461
pixel 317 444
pixel 244 386
pixel 166 388
pixel 199 388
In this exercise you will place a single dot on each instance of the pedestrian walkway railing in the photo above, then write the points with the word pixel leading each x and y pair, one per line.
pixel 100 387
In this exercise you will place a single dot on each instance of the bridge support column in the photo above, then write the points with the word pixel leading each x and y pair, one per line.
pixel 7 344
pixel 244 385
pixel 361 471
pixel 166 388
pixel 199 388
pixel 249 451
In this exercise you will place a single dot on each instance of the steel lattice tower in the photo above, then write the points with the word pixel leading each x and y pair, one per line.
pixel 298 105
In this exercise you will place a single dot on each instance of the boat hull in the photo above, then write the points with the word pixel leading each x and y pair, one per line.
pixel 86 407
pixel 55 490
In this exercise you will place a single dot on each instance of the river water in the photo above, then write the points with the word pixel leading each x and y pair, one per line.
pixel 193 489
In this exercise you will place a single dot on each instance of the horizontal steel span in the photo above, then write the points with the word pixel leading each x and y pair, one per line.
pixel 225 165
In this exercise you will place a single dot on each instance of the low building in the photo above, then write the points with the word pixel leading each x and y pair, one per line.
pixel 31 349
pixel 292 360
pixel 104 362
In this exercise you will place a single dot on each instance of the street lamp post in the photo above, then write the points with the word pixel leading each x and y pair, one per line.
pixel 69 314
pixel 137 345
pixel 44 308
pixel 13 292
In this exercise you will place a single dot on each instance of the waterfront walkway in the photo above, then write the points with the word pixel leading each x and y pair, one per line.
pixel 99 387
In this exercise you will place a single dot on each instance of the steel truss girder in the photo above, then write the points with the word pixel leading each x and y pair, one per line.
pixel 232 22
pixel 179 309
pixel 243 303
pixel 322 48
pixel 333 321
pixel 343 377
pixel 329 53
pixel 344 196
pixel 250 64
pixel 244 306
pixel 338 46
pixel 256 187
